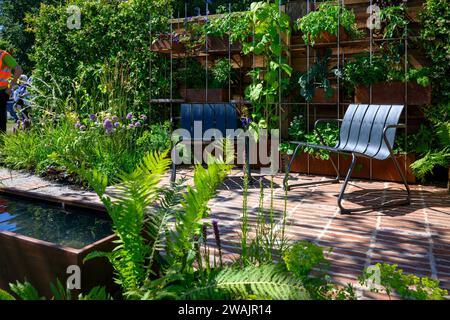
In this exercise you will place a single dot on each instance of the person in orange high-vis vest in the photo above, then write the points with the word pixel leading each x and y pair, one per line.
pixel 8 81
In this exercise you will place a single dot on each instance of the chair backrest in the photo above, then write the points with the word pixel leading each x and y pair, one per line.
pixel 363 126
pixel 219 116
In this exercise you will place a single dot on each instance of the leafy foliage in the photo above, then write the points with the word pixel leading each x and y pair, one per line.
pixel 197 7
pixel 143 232
pixel 434 36
pixel 63 56
pixel 4 296
pixel 302 257
pixel 408 286
pixel 307 262
pixel 262 31
pixel 26 291
pixel 436 157
pixel 437 152
pixel 189 223
pixel 13 31
pixel 366 69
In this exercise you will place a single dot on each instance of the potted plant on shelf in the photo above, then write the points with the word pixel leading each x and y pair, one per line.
pixel 198 84
pixel 315 85
pixel 325 24
pixel 170 42
pixel 381 77
pixel 377 78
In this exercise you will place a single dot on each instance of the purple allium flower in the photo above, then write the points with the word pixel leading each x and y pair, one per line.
pixel 77 125
pixel 115 118
pixel 92 117
pixel 137 124
pixel 215 224
pixel 144 117
pixel 116 124
pixel 130 116
pixel 108 125
pixel 246 122
pixel 83 127
pixel 130 126
pixel 18 121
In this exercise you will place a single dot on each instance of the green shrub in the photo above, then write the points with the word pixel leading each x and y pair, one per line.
pixel 64 56
pixel 435 39
pixel 157 138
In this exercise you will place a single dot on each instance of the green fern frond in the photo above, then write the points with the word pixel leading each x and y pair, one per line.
pixel 96 293
pixel 126 205
pixel 25 291
pixel 265 282
pixel 443 133
pixel 194 209
pixel 4 296
pixel 426 164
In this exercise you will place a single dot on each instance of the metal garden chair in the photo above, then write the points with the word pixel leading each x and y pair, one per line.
pixel 217 116
pixel 366 131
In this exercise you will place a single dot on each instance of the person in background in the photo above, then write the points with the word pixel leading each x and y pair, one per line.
pixel 20 98
pixel 10 109
pixel 7 65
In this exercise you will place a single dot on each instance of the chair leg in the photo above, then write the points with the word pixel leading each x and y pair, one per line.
pixel 391 204
pixel 286 178
pixel 173 175
pixel 404 180
pixel 344 186
pixel 288 171
pixel 247 158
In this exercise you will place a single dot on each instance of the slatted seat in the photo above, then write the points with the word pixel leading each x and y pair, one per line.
pixel 365 131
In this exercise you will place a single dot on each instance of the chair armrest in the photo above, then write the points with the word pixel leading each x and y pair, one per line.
pixel 392 126
pixel 396 126
pixel 326 120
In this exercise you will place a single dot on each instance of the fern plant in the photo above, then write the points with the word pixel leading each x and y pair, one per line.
pixel 439 156
pixel 133 194
pixel 141 212
pixel 264 282
pixel 188 225
pixel 26 291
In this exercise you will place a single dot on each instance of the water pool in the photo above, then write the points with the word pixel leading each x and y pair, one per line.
pixel 51 223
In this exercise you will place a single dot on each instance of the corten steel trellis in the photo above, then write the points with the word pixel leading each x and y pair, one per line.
pixel 285 106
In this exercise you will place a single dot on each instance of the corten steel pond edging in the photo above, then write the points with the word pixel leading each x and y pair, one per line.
pixel 41 262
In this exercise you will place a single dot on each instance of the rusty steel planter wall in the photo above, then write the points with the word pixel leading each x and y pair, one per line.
pixel 381 170
pixel 41 263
